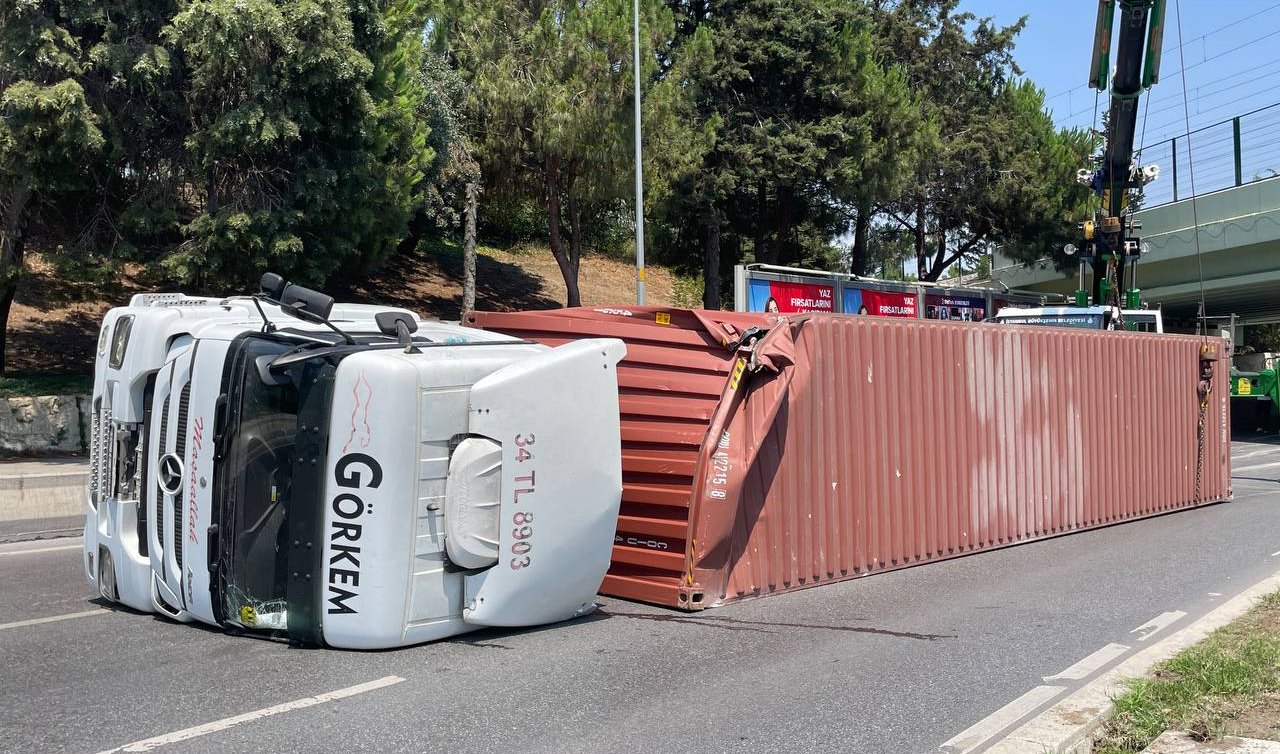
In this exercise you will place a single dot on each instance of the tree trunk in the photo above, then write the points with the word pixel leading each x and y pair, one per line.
pixel 418 227
pixel 568 270
pixel 765 253
pixel 12 247
pixel 920 236
pixel 861 229
pixel 469 251
pixel 575 232
pixel 711 264
pixel 939 256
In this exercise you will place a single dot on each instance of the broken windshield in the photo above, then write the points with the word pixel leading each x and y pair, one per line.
pixel 257 468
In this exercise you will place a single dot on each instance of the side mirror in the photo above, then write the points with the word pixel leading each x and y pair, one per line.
pixel 272 286
pixel 397 324
pixel 297 300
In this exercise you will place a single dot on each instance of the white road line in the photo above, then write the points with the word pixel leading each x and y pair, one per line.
pixel 53 619
pixel 187 734
pixel 1089 665
pixel 1074 719
pixel 1277 552
pixel 40 549
pixel 1157 624
pixel 980 732
pixel 1255 467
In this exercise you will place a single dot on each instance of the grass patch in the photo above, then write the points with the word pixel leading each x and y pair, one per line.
pixel 1215 688
pixel 27 385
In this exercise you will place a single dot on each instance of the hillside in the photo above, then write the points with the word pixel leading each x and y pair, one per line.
pixel 53 326
pixel 508 280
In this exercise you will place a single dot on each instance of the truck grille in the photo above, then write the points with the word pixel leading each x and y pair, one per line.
pixel 180 449
pixel 95 453
pixel 162 447
pixel 106 451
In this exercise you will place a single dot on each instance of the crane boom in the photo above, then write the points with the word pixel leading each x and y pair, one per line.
pixel 1108 241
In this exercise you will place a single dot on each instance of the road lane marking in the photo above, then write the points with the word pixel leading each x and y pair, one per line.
pixel 980 732
pixel 1158 624
pixel 1255 467
pixel 186 734
pixel 1075 717
pixel 53 619
pixel 1277 552
pixel 41 549
pixel 1089 665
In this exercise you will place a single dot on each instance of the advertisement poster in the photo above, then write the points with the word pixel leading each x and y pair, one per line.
pixel 961 308
pixel 852 301
pixel 879 303
pixel 790 298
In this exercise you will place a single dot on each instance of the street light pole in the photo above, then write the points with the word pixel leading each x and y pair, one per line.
pixel 635 42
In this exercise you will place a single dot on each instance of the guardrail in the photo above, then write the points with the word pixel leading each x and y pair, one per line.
pixel 1230 153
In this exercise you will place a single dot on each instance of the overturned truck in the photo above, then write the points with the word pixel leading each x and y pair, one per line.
pixel 345 475
pixel 763 454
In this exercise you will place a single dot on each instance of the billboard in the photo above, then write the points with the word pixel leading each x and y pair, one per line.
pixel 879 303
pixel 963 308
pixel 786 297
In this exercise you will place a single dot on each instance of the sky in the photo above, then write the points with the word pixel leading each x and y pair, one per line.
pixel 1232 66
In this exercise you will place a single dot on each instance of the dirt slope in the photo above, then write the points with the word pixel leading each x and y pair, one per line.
pixel 53 326
pixel 507 280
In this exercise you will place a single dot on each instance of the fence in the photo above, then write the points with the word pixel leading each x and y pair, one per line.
pixel 1231 153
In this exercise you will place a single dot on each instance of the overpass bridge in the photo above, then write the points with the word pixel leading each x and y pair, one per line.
pixel 1235 214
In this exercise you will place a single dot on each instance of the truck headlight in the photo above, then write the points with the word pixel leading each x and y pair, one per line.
pixel 120 340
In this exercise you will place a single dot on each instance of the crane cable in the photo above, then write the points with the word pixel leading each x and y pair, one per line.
pixel 1207 368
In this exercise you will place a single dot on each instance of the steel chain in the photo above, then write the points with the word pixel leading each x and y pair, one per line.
pixel 1204 405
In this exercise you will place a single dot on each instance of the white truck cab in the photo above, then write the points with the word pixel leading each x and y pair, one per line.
pixel 1088 317
pixel 350 476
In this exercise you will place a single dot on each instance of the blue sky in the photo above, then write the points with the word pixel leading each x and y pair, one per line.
pixel 1232 55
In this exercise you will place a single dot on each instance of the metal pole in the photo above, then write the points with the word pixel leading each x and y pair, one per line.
pixel 635 42
pixel 1235 138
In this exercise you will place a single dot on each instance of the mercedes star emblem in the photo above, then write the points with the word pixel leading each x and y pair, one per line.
pixel 170 473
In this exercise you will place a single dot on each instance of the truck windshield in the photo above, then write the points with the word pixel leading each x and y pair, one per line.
pixel 256 475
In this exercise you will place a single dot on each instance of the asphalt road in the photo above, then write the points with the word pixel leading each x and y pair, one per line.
pixel 898 662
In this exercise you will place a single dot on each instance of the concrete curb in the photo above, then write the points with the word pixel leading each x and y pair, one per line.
pixel 1068 727
pixel 43 489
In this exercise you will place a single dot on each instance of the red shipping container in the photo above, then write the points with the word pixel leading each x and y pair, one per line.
pixel 768 453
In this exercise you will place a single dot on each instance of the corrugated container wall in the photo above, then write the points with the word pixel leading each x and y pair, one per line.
pixel 763 454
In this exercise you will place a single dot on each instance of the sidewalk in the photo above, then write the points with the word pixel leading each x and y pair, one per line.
pixel 42 497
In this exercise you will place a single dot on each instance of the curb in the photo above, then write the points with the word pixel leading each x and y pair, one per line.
pixel 33 490
pixel 1068 726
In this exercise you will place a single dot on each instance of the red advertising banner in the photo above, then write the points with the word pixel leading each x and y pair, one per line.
pixel 889 303
pixel 791 298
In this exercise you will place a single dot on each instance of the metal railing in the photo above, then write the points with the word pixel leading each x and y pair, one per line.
pixel 1230 153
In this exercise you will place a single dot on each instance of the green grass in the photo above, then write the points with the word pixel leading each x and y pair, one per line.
pixel 1202 688
pixel 25 385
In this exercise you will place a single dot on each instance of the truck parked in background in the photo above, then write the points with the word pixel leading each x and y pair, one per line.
pixel 1088 317
pixel 346 475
